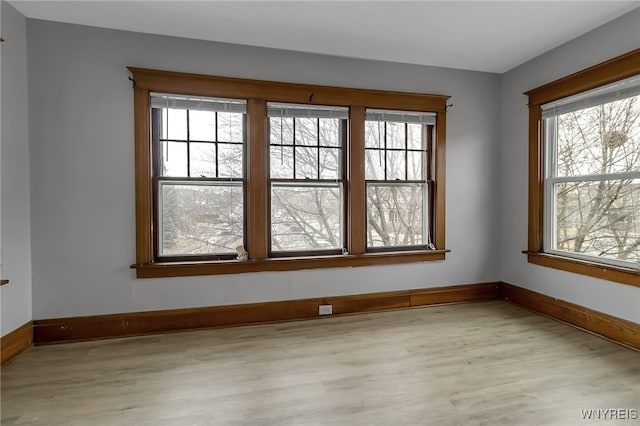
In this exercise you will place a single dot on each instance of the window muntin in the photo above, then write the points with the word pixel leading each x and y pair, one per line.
pixel 397 176
pixel 198 174
pixel 592 175
pixel 307 175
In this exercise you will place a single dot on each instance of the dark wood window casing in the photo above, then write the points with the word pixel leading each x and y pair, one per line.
pixel 616 69
pixel 257 94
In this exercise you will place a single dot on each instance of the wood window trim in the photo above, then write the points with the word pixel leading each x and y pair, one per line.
pixel 584 267
pixel 258 93
pixel 618 68
pixel 181 269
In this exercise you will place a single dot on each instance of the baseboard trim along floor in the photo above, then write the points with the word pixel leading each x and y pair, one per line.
pixel 613 328
pixel 75 329
pixel 16 342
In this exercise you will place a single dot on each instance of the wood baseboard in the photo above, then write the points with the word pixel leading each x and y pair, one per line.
pixel 75 329
pixel 613 328
pixel 16 342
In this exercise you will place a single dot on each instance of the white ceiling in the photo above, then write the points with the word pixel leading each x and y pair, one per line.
pixel 474 35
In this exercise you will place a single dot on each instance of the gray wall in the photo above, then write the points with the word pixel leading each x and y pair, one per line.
pixel 81 124
pixel 617 37
pixel 14 174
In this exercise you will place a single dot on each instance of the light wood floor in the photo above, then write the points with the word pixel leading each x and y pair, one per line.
pixel 489 363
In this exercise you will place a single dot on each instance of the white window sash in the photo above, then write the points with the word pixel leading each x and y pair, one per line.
pixel 595 178
pixel 621 90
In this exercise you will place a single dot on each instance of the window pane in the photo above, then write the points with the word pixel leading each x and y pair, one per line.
pixel 374 164
pixel 281 162
pixel 200 219
pixel 180 148
pixel 599 218
pixel 306 131
pixel 174 124
pixel 395 135
pixel 415 166
pixel 202 125
pixel 396 165
pixel 203 159
pixel 330 163
pixel 414 136
pixel 601 139
pixel 174 159
pixel 230 127
pixel 401 157
pixel 395 215
pixel 306 163
pixel 230 160
pixel 306 217
pixel 374 134
pixel 281 130
pixel 330 132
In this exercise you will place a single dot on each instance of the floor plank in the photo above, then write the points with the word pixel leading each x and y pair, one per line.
pixel 489 363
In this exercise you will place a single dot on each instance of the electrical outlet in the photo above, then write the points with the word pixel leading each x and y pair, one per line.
pixel 325 310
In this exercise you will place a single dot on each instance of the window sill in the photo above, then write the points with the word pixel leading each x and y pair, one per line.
pixel 184 269
pixel 593 269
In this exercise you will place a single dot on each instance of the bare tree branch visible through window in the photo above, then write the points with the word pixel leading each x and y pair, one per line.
pixel 599 217
pixel 307 177
pixel 200 173
pixel 395 169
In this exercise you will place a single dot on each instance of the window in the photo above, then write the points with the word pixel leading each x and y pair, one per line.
pixel 198 173
pixel 588 196
pixel 592 179
pixel 307 178
pixel 285 172
pixel 396 168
